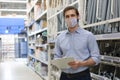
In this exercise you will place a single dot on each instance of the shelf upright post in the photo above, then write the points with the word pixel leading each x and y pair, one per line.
pixel 81 11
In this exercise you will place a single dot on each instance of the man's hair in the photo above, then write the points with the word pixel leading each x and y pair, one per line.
pixel 70 8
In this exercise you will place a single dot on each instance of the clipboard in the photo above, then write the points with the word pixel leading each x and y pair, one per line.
pixel 62 63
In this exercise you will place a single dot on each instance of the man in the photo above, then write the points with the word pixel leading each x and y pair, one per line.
pixel 79 44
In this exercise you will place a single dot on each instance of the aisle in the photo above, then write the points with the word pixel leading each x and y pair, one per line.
pixel 16 70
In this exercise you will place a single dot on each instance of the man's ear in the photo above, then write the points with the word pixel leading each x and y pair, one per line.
pixel 78 18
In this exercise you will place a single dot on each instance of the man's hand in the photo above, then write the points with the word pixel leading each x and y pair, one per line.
pixel 75 64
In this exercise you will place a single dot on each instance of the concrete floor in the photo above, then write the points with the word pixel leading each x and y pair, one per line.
pixel 16 70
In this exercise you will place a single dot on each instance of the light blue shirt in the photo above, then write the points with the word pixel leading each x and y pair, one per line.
pixel 79 44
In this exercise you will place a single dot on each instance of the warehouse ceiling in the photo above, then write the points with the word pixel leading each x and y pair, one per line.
pixel 13 7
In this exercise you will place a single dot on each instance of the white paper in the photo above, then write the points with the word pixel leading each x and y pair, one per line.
pixel 62 63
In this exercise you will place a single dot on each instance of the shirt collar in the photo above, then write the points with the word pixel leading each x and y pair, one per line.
pixel 78 30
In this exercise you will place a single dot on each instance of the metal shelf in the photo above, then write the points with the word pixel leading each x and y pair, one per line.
pixel 51 42
pixel 108 36
pixel 102 22
pixel 104 36
pixel 110 58
pixel 39 31
pixel 110 63
pixel 41 45
pixel 43 77
pixel 115 61
pixel 31 42
pixel 98 77
pixel 31 47
pixel 44 62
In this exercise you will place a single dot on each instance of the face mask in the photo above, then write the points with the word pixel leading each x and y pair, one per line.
pixel 71 22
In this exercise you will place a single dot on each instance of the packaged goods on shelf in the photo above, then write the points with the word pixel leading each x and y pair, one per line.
pixel 37 9
pixel 43 23
pixel 96 13
pixel 107 71
pixel 45 5
pixel 32 29
pixel 95 69
pixel 117 74
pixel 42 6
pixel 44 33
pixel 40 40
pixel 44 70
pixel 37 53
pixel 37 66
pixel 109 47
pixel 44 37
pixel 31 16
pixel 31 51
pixel 43 56
pixel 32 62
pixel 37 26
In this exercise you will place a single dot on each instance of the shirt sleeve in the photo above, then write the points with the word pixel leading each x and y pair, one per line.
pixel 57 49
pixel 93 49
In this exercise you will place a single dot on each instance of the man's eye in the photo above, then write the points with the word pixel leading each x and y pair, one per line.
pixel 72 15
pixel 67 16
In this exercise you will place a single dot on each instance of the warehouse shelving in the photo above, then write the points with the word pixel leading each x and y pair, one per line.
pixel 52 15
pixel 62 10
pixel 113 35
pixel 107 37
pixel 43 77
pixel 37 29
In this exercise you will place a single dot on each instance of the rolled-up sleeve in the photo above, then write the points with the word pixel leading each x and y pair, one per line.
pixel 93 49
pixel 57 49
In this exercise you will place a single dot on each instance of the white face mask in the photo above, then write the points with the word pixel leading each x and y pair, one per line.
pixel 71 22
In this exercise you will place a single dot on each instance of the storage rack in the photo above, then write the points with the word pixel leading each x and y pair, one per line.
pixel 102 21
pixel 105 26
pixel 37 37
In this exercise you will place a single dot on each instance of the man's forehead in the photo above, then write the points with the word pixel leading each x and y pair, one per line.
pixel 70 12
